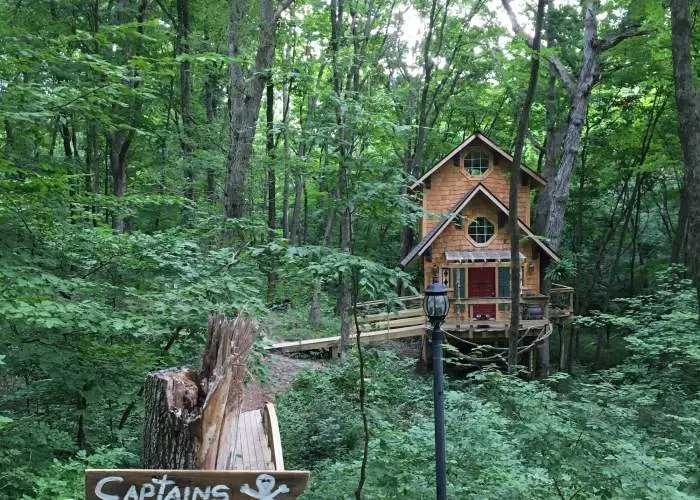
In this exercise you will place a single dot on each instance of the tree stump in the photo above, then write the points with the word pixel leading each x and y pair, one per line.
pixel 191 416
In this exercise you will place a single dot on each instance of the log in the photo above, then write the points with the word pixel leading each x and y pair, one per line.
pixel 191 416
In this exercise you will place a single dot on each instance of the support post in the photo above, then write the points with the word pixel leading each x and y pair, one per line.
pixel 439 411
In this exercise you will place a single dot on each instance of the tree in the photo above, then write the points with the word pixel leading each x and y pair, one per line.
pixel 246 89
pixel 513 227
pixel 555 195
pixel 688 106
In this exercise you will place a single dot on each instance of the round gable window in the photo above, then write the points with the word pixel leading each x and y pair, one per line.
pixel 481 230
pixel 476 163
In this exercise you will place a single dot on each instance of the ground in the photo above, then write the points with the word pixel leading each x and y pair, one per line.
pixel 280 373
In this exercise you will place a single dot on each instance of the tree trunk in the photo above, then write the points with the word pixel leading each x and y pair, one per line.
pixel 295 226
pixel 513 227
pixel 191 417
pixel 186 139
pixel 271 185
pixel 246 95
pixel 285 205
pixel 118 149
pixel 553 138
pixel 210 105
pixel 590 72
pixel 315 309
pixel 688 106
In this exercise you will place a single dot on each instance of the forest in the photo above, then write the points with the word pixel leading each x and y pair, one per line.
pixel 163 160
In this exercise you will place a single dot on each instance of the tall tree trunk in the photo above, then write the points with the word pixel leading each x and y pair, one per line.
pixel 556 196
pixel 210 106
pixel 553 138
pixel 187 142
pixel 295 226
pixel 120 140
pixel 118 150
pixel 246 95
pixel 688 106
pixel 513 228
pixel 271 187
pixel 589 74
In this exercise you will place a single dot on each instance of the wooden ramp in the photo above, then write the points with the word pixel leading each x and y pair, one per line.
pixel 333 342
pixel 375 325
pixel 258 445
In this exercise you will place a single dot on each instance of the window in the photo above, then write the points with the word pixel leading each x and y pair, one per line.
pixel 476 163
pixel 446 278
pixel 481 230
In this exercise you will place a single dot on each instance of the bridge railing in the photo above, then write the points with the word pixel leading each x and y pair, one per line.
pixel 400 312
pixel 272 430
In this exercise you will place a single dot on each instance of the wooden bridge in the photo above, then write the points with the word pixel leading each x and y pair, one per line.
pixel 404 317
pixel 258 444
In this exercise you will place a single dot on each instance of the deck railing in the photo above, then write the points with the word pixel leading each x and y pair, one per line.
pixel 407 311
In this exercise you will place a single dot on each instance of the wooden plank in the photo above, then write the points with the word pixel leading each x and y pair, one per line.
pixel 396 300
pixel 252 450
pixel 328 342
pixel 123 484
pixel 392 334
pixel 403 313
pixel 305 345
pixel 394 323
pixel 272 430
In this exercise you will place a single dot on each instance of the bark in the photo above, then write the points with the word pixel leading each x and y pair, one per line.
pixel 120 140
pixel 210 106
pixel 295 226
pixel 246 94
pixel 118 150
pixel 81 435
pixel 271 187
pixel 285 205
pixel 191 417
pixel 589 74
pixel 270 148
pixel 187 142
pixel 345 298
pixel 513 228
pixel 554 136
pixel 688 107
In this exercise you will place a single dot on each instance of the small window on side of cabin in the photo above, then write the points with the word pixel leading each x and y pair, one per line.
pixel 481 230
pixel 476 163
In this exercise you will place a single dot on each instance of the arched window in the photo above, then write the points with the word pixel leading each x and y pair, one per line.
pixel 481 230
pixel 476 163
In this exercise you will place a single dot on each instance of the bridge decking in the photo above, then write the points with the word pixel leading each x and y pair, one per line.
pixel 258 443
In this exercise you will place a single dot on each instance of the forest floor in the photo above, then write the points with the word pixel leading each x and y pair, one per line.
pixel 280 373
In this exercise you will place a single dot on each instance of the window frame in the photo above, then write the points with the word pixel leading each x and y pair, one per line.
pixel 493 232
pixel 467 158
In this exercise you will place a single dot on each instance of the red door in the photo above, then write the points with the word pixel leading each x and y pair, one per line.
pixel 482 283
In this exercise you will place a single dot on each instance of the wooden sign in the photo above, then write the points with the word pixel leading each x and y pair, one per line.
pixel 134 484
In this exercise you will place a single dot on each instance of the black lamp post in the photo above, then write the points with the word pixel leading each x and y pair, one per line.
pixel 436 304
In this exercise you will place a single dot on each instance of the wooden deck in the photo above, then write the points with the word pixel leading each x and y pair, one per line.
pixel 258 444
pixel 408 320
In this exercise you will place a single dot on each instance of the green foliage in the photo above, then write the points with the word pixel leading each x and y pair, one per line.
pixel 85 312
pixel 506 438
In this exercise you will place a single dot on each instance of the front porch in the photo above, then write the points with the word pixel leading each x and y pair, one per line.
pixel 465 318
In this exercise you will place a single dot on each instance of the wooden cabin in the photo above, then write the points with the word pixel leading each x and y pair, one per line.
pixel 466 245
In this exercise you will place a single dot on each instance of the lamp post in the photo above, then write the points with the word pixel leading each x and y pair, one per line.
pixel 436 304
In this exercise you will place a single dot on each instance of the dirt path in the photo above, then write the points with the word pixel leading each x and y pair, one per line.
pixel 281 372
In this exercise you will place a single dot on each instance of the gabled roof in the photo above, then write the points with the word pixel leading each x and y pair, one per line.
pixel 492 145
pixel 445 220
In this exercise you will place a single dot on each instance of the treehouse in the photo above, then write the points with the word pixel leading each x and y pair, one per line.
pixel 466 245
